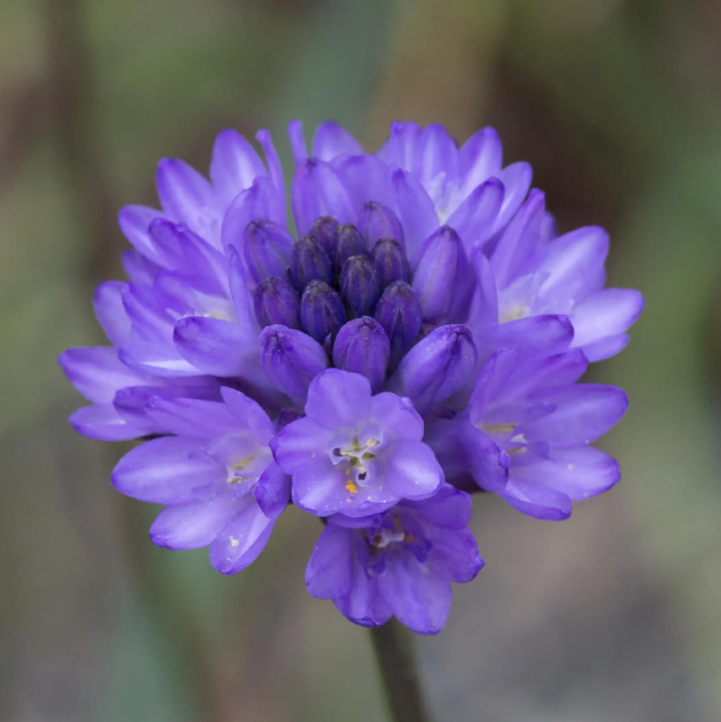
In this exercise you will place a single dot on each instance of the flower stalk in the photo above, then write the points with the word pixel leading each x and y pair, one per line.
pixel 395 655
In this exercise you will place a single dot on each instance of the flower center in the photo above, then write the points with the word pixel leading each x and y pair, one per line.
pixel 243 470
pixel 382 538
pixel 357 456
pixel 514 313
pixel 503 435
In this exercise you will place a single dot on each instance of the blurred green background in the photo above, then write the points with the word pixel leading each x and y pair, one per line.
pixel 612 616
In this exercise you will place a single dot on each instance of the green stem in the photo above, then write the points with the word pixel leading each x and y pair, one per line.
pixel 396 661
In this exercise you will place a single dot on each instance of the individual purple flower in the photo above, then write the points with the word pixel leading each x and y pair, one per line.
pixel 535 282
pixel 353 452
pixel 544 422
pixel 400 563
pixel 215 475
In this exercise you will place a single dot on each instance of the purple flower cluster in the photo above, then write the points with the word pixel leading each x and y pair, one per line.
pixel 420 337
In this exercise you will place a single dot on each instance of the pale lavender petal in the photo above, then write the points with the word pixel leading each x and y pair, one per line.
pixel 607 313
pixel 96 372
pixel 297 141
pixel 475 219
pixel 415 210
pixel 300 443
pixel 249 414
pixel 191 417
pixel 134 222
pixel 184 193
pixel 542 334
pixel 418 599
pixel 317 191
pixel 534 499
pixel 516 179
pixel 412 470
pixel 193 525
pixel 480 158
pixel 162 471
pixel 103 422
pixel 338 399
pixel 330 570
pixel 155 359
pixel 580 473
pixel 110 312
pixel 436 153
pixel 216 347
pixel 396 416
pixel 455 556
pixel 240 541
pixel 332 140
pixel 573 265
pixel 234 166
pixel 606 348
pixel 583 412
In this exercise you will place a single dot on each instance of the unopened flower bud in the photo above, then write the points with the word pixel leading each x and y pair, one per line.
pixel 399 312
pixel 359 286
pixel 325 231
pixel 276 301
pixel 309 262
pixel 350 243
pixel 291 359
pixel 378 221
pixel 267 249
pixel 362 347
pixel 436 367
pixel 390 262
pixel 321 311
pixel 442 279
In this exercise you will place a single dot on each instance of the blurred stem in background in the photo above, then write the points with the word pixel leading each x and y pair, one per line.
pixel 393 646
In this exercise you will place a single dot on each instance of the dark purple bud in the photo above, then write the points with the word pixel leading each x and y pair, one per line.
pixel 309 263
pixel 350 243
pixel 325 231
pixel 321 311
pixel 362 347
pixel 377 221
pixel 267 249
pixel 390 262
pixel 399 312
pixel 436 367
pixel 359 286
pixel 291 360
pixel 442 280
pixel 276 301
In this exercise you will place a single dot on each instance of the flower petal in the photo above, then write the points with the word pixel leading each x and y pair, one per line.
pixel 96 372
pixel 161 471
pixel 583 412
pixel 411 469
pixel 317 191
pixel 234 166
pixel 216 347
pixel 240 541
pixel 330 570
pixel 338 399
pixel 193 525
pixel 332 140
pixel 607 313
pixel 418 598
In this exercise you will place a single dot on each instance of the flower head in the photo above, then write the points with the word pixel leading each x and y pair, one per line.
pixel 414 333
